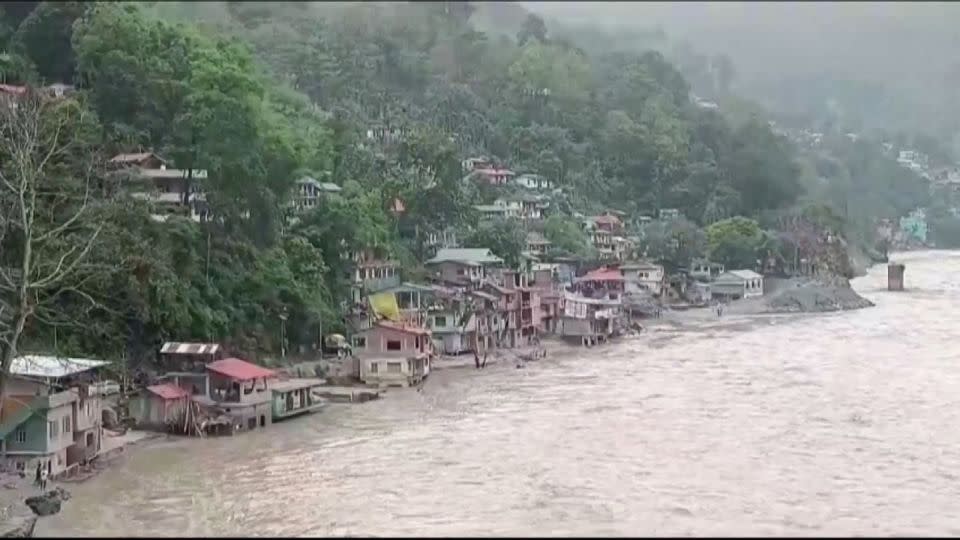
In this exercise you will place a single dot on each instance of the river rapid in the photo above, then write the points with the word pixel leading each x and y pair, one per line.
pixel 837 424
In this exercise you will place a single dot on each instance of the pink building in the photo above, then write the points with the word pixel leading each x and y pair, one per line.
pixel 394 354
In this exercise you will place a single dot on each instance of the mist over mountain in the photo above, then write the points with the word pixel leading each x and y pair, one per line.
pixel 888 65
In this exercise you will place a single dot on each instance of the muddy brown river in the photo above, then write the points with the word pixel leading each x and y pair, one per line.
pixel 837 424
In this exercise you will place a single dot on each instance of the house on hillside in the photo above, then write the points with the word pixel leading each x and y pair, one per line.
pixel 500 209
pixel 309 192
pixel 476 163
pixel 370 275
pixel 51 415
pixel 534 182
pixel 537 243
pixel 737 284
pixel 463 266
pixel 170 191
pixel 495 176
pixel 394 354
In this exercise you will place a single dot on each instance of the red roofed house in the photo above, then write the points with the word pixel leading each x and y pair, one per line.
pixel 594 311
pixel 241 391
pixel 394 354
pixel 159 406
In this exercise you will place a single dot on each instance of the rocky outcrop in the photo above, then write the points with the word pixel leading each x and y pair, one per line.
pixel 822 295
pixel 49 503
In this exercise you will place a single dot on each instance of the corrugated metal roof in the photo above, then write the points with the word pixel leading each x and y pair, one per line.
pixel 134 158
pixel 168 391
pixel 236 368
pixel 51 366
pixel 173 347
pixel 739 274
pixel 466 255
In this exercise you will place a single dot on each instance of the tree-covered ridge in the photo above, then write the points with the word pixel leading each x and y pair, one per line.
pixel 259 95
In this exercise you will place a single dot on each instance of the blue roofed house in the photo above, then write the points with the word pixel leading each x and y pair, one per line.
pixel 52 414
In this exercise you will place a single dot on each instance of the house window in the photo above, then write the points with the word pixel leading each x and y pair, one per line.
pixel 374 367
pixel 88 408
pixel 439 321
pixel 394 345
pixel 393 367
pixel 53 429
pixel 66 424
pixel 360 342
pixel 21 435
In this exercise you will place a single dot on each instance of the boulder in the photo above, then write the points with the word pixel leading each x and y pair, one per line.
pixel 48 503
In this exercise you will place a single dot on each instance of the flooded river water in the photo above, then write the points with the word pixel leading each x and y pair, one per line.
pixel 839 424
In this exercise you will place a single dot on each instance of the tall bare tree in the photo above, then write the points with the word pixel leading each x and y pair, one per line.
pixel 48 215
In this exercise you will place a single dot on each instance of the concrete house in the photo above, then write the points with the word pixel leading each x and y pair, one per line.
pixel 704 270
pixel 309 192
pixel 500 209
pixel 737 284
pixel 295 397
pixel 534 182
pixel 495 176
pixel 170 191
pixel 51 416
pixel 240 390
pixel 463 266
pixel 537 243
pixel 643 277
pixel 394 355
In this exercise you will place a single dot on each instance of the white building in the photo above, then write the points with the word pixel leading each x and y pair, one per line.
pixel 737 284
pixel 640 277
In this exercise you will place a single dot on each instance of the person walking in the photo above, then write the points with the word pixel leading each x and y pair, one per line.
pixel 43 479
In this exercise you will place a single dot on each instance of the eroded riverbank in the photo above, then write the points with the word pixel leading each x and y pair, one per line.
pixel 836 424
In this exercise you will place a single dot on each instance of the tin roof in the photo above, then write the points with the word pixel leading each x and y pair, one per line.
pixel 173 347
pixel 236 368
pixel 134 158
pixel 466 255
pixel 168 391
pixel 51 366
pixel 409 329
pixel 738 274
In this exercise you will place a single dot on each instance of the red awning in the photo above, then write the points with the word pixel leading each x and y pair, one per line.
pixel 241 370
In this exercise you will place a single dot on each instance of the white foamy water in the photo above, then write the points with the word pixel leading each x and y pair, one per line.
pixel 837 424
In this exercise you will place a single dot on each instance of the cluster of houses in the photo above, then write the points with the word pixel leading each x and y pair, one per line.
pixel 57 408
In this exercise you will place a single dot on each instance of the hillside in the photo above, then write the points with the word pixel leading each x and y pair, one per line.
pixel 384 101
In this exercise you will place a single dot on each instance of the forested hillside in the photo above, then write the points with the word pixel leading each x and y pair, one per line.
pixel 259 94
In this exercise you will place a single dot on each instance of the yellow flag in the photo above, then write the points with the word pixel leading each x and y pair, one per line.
pixel 385 306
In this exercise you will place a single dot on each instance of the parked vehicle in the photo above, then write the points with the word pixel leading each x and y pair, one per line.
pixel 337 344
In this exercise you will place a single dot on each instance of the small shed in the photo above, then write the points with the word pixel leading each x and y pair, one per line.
pixel 159 405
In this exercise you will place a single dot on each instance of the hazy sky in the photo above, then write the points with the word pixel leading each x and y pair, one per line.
pixel 867 38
